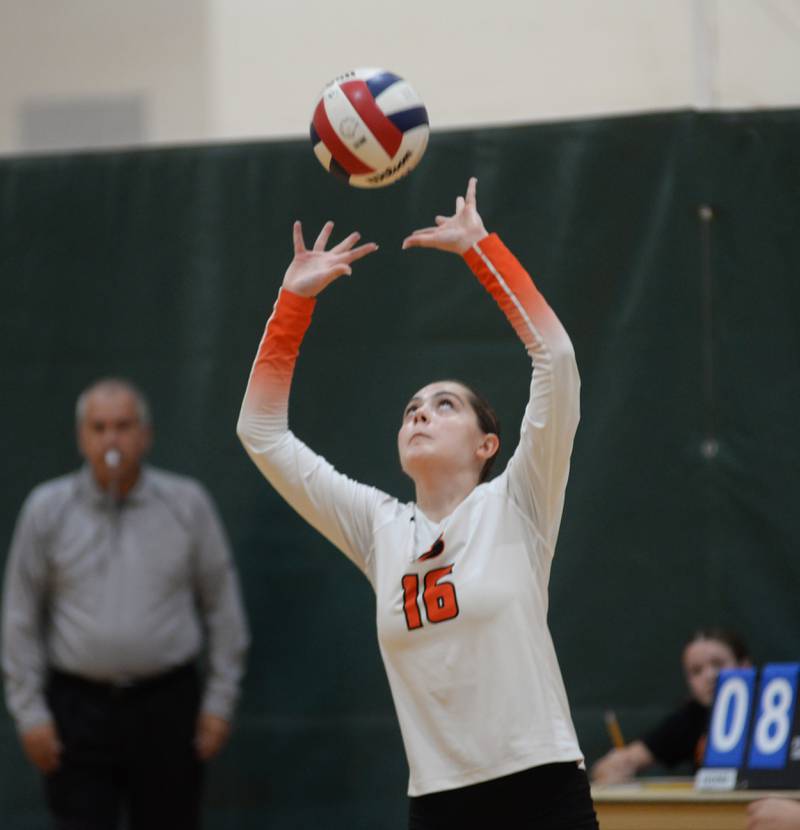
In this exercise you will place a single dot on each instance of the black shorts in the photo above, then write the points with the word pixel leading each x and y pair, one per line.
pixel 549 797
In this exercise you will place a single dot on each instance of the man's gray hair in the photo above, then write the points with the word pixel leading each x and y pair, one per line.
pixel 111 386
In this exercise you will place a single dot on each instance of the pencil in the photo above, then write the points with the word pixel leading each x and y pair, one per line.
pixel 614 732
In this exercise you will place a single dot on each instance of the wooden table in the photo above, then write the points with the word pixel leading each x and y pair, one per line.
pixel 674 804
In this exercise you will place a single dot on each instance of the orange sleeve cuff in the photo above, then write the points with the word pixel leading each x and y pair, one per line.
pixel 285 330
pixel 490 245
pixel 294 302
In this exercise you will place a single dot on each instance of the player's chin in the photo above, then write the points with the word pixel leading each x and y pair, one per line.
pixel 417 458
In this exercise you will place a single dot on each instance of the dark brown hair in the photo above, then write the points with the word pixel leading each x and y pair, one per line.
pixel 487 421
pixel 730 638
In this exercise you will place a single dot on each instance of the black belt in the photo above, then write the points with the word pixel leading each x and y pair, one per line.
pixel 134 686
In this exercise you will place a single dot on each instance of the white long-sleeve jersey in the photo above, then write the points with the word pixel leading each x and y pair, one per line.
pixel 461 603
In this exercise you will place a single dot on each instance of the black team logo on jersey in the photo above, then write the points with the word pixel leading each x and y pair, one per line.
pixel 435 549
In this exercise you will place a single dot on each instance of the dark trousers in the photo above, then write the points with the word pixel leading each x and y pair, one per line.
pixel 549 797
pixel 126 751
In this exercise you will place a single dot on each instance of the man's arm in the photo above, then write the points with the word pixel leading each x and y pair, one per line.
pixel 24 659
pixel 220 603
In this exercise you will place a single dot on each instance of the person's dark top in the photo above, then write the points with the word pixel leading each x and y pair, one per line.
pixel 680 737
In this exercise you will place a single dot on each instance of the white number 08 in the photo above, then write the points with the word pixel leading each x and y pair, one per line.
pixel 730 715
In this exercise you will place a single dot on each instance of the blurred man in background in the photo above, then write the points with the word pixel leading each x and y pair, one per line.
pixel 115 572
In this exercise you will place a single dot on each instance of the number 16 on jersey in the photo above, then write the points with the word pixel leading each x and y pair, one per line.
pixel 754 739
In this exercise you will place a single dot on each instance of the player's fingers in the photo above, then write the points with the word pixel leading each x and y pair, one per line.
pixel 324 236
pixel 297 237
pixel 440 220
pixel 459 204
pixel 419 239
pixel 341 270
pixel 360 251
pixel 347 242
pixel 471 191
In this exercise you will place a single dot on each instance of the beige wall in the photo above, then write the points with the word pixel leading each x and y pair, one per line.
pixel 219 70
pixel 103 50
pixel 506 60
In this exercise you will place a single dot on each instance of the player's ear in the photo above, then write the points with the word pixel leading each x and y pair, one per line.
pixel 488 446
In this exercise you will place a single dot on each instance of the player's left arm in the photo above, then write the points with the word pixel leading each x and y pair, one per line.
pixel 220 604
pixel 537 473
pixel 538 470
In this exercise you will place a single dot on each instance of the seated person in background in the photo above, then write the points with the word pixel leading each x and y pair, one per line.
pixel 774 814
pixel 680 736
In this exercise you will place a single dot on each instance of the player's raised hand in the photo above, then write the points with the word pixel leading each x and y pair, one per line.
pixel 312 270
pixel 456 233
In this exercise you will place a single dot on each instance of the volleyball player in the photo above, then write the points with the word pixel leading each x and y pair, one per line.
pixel 460 574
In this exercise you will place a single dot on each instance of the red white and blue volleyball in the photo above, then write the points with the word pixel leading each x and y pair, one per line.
pixel 369 128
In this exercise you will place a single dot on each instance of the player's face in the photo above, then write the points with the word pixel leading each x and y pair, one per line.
pixel 440 428
pixel 702 662
pixel 111 422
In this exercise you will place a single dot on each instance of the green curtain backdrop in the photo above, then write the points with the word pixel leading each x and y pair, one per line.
pixel 668 245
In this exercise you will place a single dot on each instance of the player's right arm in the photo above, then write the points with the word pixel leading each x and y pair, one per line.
pixel 336 506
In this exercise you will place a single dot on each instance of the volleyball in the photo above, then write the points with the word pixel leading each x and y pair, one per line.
pixel 369 128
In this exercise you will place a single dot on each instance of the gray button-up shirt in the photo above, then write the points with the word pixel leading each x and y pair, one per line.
pixel 117 592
